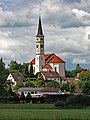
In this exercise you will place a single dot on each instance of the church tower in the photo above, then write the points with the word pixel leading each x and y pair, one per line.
pixel 39 59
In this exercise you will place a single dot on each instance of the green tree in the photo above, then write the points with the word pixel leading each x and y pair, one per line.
pixel 53 83
pixel 31 71
pixel 72 87
pixel 3 76
pixel 18 85
pixel 86 88
pixel 22 96
pixel 65 87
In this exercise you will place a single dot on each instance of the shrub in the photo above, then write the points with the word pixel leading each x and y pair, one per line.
pixel 59 104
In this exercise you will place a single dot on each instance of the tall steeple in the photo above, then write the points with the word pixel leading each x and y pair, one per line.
pixel 40 59
pixel 40 31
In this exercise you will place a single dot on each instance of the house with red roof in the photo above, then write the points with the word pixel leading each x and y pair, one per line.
pixel 46 62
pixel 82 72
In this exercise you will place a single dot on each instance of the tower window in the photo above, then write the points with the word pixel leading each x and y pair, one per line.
pixel 36 46
pixel 41 46
pixel 41 38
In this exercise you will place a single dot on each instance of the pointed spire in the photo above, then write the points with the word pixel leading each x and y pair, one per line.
pixel 40 32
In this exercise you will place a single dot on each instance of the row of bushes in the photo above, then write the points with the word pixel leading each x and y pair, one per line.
pixel 76 101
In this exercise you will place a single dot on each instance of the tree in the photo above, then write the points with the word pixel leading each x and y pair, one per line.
pixel 78 66
pixel 31 71
pixel 3 76
pixel 72 87
pixel 85 77
pixel 65 87
pixel 22 96
pixel 52 83
pixel 86 88
pixel 18 85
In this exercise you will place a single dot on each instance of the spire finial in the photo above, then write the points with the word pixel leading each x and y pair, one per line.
pixel 40 32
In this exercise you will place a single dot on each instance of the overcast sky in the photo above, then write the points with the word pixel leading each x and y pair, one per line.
pixel 66 26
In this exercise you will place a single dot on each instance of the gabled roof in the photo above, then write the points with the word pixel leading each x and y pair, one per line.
pixel 56 59
pixel 47 66
pixel 17 76
pixel 33 61
pixel 50 74
pixel 51 58
pixel 83 71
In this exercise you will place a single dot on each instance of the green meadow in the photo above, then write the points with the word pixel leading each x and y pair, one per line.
pixel 41 112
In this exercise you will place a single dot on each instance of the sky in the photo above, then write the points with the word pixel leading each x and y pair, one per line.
pixel 66 27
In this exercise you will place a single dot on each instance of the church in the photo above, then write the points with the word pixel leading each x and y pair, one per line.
pixel 46 63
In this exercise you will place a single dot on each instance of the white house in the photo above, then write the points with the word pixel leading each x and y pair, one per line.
pixel 38 92
pixel 13 78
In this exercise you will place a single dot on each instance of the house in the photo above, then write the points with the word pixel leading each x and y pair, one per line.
pixel 13 78
pixel 82 72
pixel 51 75
pixel 46 62
pixel 38 92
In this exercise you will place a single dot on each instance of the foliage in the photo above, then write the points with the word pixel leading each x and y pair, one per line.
pixel 72 87
pixel 75 101
pixel 29 96
pixel 65 87
pixel 18 85
pixel 3 76
pixel 72 73
pixel 59 104
pixel 53 83
pixel 29 84
pixel 85 77
pixel 22 96
pixel 85 82
pixel 31 71
pixel 86 87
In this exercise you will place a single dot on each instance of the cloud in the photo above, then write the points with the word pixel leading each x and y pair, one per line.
pixel 66 25
pixel 80 61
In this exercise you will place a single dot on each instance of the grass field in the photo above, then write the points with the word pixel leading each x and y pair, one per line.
pixel 41 112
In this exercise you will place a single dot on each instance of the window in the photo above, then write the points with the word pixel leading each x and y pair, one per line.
pixel 32 92
pixel 36 46
pixel 41 46
pixel 55 68
pixel 35 92
pixel 41 38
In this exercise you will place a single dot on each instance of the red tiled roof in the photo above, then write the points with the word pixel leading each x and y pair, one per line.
pixel 33 61
pixel 46 57
pixel 56 59
pixel 83 71
pixel 47 66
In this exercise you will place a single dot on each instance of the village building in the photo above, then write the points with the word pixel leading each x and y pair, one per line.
pixel 46 62
pixel 13 78
pixel 81 73
pixel 39 92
